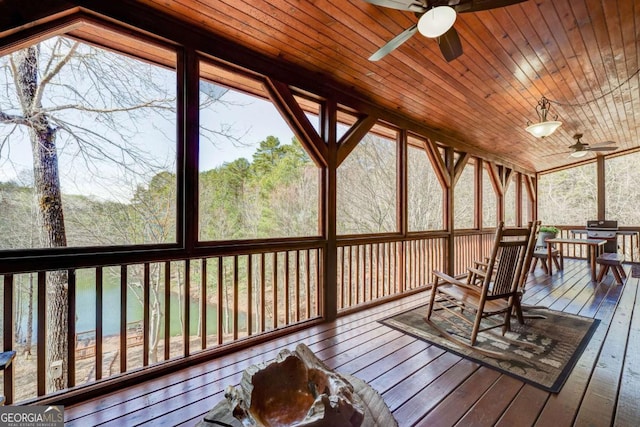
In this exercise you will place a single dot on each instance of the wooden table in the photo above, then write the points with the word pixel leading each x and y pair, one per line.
pixel 594 246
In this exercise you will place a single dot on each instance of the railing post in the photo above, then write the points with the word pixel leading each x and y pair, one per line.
pixel 71 339
pixel 7 335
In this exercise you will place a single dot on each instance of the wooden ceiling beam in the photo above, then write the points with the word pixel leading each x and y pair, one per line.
pixel 459 166
pixel 529 183
pixel 437 162
pixel 496 180
pixel 291 111
pixel 354 135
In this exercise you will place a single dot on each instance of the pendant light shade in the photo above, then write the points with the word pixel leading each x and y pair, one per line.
pixel 436 21
pixel 544 127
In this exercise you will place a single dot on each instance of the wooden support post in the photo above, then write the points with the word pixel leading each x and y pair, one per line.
pixel 600 179
pixel 330 289
pixel 449 209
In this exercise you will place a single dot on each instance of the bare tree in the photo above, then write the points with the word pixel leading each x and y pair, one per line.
pixel 52 90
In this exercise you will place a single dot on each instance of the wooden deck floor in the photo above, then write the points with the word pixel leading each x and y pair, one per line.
pixel 422 384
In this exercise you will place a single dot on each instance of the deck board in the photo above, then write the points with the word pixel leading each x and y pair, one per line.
pixel 447 412
pixel 490 407
pixel 628 413
pixel 421 383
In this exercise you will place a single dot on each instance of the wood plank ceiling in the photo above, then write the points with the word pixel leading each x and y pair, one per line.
pixel 583 55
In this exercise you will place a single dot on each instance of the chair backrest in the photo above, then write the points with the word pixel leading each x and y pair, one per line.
pixel 511 247
pixel 535 229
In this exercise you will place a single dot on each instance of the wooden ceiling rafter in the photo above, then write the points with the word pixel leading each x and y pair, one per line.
pixel 506 175
pixel 530 185
pixel 459 166
pixel 354 135
pixel 572 51
pixel 41 30
pixel 437 162
pixel 495 178
pixel 154 21
pixel 291 111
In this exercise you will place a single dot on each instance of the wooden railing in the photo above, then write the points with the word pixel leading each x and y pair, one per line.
pixel 372 270
pixel 628 240
pixel 128 317
pixel 369 271
pixel 470 247
pixel 178 308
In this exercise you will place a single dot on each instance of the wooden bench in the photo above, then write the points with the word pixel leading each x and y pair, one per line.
pixel 613 262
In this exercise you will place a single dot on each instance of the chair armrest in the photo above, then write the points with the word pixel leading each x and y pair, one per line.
pixel 6 358
pixel 477 271
pixel 446 279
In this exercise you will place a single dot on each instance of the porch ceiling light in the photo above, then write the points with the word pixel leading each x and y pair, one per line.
pixel 544 127
pixel 581 153
pixel 436 21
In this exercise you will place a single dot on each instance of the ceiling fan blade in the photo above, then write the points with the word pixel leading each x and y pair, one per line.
pixel 394 43
pixel 557 154
pixel 599 148
pixel 603 144
pixel 410 5
pixel 478 5
pixel 450 45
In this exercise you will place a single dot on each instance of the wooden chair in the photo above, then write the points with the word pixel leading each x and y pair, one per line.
pixel 541 253
pixel 613 262
pixel 499 294
pixel 6 357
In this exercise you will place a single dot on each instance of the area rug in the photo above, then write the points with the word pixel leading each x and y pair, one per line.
pixel 555 343
pixel 635 270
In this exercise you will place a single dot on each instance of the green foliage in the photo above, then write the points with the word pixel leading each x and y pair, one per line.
pixel 549 229
pixel 263 198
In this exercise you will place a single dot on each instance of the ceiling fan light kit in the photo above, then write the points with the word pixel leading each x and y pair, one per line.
pixel 544 127
pixel 581 149
pixel 436 21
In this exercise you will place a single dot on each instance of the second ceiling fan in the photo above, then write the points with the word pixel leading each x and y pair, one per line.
pixel 435 20
pixel 580 149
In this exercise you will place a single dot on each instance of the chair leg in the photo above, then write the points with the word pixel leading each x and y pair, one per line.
pixel 621 271
pixel 616 274
pixel 517 307
pixel 543 263
pixel 557 263
pixel 603 270
pixel 533 264
pixel 476 325
pixel 432 298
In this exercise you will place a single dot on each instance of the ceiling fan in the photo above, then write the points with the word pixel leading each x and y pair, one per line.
pixel 580 149
pixel 436 18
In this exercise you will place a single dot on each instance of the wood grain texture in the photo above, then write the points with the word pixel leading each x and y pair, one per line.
pixel 422 384
pixel 580 54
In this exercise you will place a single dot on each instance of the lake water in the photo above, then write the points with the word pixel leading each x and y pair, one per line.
pixel 86 309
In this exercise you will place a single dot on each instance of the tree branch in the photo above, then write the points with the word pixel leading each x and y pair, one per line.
pixel 154 103
pixel 47 78
pixel 12 118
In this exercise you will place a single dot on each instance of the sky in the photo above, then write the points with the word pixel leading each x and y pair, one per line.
pixel 249 118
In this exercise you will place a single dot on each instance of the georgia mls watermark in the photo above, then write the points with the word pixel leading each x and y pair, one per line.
pixel 31 416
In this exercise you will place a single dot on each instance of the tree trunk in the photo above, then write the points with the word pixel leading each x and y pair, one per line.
pixel 29 337
pixel 49 205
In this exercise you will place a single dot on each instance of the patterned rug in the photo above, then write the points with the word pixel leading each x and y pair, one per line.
pixel 635 270
pixel 555 343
